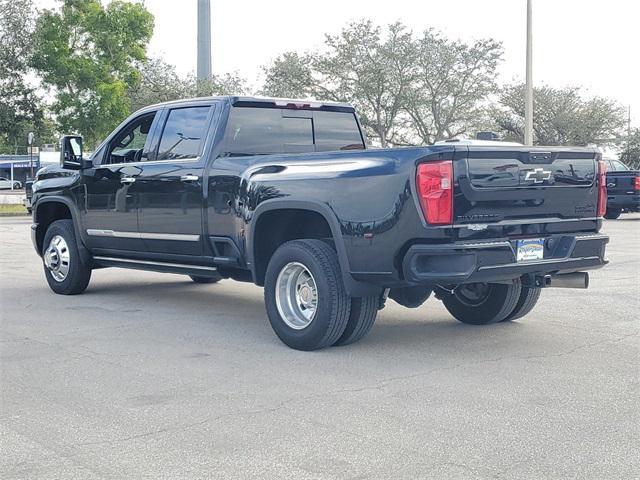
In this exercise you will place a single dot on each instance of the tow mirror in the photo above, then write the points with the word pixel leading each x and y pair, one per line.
pixel 71 153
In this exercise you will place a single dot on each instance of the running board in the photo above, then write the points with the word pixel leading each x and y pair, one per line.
pixel 154 266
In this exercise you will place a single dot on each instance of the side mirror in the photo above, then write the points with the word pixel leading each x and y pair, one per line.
pixel 71 152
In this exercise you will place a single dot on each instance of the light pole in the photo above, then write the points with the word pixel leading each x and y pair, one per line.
pixel 528 103
pixel 204 40
pixel 30 142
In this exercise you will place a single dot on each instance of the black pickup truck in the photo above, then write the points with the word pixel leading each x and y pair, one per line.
pixel 287 194
pixel 623 189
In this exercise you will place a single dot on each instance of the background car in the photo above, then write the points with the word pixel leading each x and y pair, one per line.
pixel 5 184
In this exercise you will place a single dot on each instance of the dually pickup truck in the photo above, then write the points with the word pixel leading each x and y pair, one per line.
pixel 288 195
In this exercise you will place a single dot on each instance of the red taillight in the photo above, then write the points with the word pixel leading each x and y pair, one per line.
pixel 434 182
pixel 636 183
pixel 602 188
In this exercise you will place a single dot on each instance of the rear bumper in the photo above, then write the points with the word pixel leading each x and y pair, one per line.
pixel 468 262
pixel 629 202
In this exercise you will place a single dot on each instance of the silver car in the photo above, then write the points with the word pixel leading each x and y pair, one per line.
pixel 5 184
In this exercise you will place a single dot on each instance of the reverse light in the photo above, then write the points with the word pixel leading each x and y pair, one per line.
pixel 602 188
pixel 434 182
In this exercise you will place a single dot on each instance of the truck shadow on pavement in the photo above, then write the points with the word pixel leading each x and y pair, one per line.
pixel 220 307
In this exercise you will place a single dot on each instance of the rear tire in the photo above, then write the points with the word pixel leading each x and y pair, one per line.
pixel 612 213
pixel 307 303
pixel 528 299
pixel 204 280
pixel 364 311
pixel 483 303
pixel 64 268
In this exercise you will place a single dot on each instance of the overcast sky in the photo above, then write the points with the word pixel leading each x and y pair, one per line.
pixel 592 43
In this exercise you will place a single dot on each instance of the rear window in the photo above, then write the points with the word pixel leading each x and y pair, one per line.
pixel 259 131
pixel 183 133
pixel 336 131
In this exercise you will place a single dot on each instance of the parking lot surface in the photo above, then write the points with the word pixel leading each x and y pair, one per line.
pixel 151 376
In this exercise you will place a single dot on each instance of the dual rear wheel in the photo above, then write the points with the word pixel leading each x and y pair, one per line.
pixel 487 303
pixel 307 304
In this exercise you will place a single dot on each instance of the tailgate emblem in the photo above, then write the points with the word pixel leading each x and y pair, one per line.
pixel 537 175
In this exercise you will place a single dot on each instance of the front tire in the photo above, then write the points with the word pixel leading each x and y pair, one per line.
pixel 306 301
pixel 483 303
pixel 64 268
pixel 612 213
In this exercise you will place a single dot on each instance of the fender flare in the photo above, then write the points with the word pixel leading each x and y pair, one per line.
pixel 75 218
pixel 354 287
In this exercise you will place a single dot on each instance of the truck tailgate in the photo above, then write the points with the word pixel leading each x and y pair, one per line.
pixel 621 183
pixel 520 184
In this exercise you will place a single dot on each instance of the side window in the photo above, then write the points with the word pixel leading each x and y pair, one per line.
pixel 183 133
pixel 129 144
pixel 336 131
pixel 260 131
pixel 618 166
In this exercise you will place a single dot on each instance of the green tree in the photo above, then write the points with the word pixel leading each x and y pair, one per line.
pixel 454 80
pixel 629 147
pixel 371 70
pixel 406 91
pixel 289 76
pixel 225 84
pixel 21 109
pixel 159 82
pixel 562 116
pixel 89 56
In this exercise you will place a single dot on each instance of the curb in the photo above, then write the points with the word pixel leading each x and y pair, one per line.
pixel 15 214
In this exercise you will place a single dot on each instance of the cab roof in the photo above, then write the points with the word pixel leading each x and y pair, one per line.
pixel 266 102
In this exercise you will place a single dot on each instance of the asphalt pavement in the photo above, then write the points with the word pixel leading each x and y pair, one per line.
pixel 148 375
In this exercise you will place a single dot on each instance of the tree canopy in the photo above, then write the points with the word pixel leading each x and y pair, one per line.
pixel 562 116
pixel 406 89
pixel 21 109
pixel 83 67
pixel 89 56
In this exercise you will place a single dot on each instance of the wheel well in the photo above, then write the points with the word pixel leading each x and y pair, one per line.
pixel 275 227
pixel 46 214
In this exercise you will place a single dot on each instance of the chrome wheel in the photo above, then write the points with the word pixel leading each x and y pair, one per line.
pixel 56 258
pixel 296 295
pixel 473 294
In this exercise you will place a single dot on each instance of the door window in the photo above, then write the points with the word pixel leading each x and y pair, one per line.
pixel 183 134
pixel 131 143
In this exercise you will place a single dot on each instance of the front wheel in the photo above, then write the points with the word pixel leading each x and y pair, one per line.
pixel 307 304
pixel 482 303
pixel 612 213
pixel 65 270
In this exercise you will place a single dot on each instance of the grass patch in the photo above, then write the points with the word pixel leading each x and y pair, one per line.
pixel 12 209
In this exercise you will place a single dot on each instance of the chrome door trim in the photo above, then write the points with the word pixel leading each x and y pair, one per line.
pixel 169 236
pixel 142 235
pixel 149 262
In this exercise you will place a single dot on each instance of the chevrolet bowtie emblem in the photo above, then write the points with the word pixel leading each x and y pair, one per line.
pixel 537 175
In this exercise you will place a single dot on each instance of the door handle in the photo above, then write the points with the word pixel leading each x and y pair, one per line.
pixel 127 180
pixel 189 178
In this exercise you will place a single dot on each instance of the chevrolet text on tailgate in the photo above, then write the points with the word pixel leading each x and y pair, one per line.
pixel 286 194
